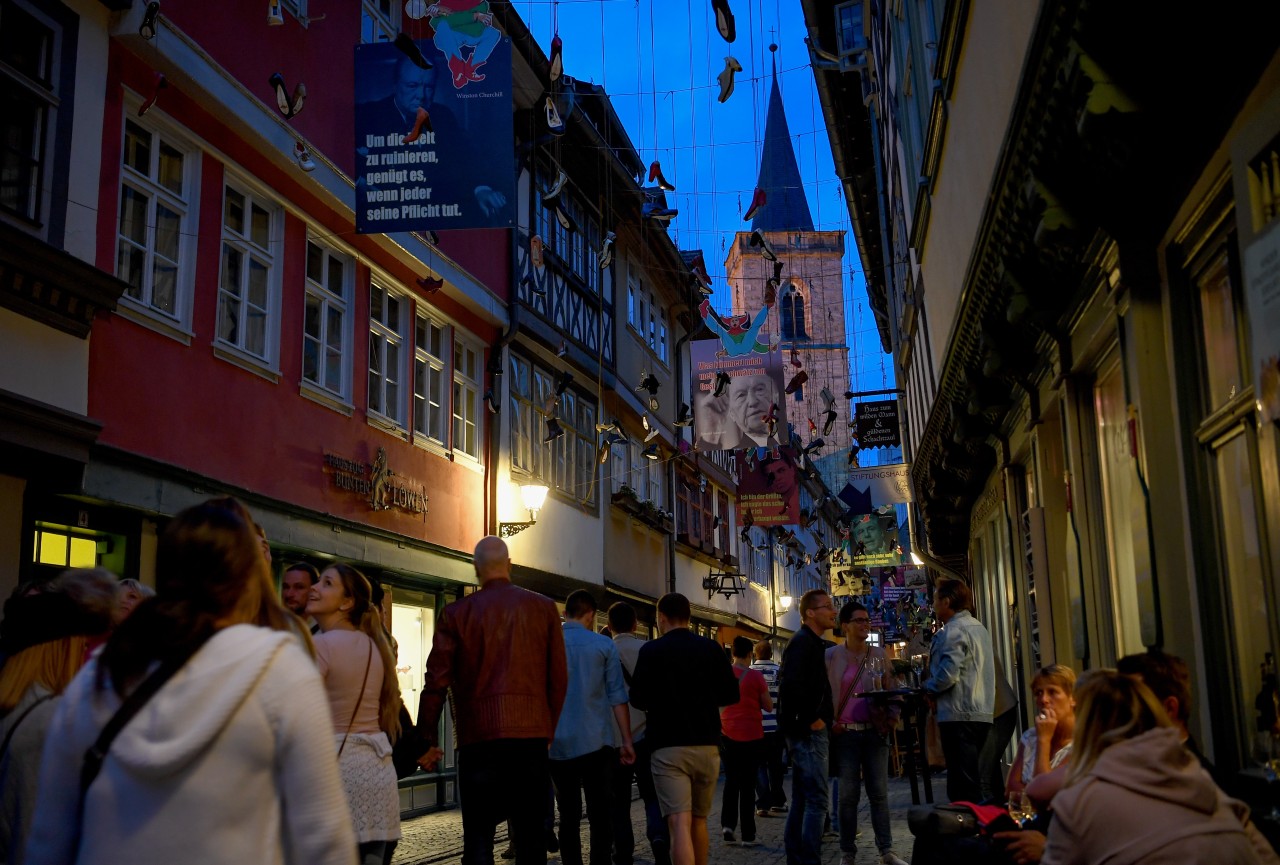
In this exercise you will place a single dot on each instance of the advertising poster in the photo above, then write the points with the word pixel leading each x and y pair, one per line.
pixel 1262 295
pixel 433 146
pixel 743 415
pixel 873 539
pixel 770 493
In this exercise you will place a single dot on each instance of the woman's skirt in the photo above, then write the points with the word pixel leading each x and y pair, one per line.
pixel 369 779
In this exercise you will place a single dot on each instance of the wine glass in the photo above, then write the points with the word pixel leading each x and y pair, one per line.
pixel 1020 808
pixel 917 667
pixel 876 667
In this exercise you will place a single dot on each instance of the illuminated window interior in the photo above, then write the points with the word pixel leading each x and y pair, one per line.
pixel 68 549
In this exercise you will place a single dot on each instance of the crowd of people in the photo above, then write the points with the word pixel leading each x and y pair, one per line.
pixel 214 720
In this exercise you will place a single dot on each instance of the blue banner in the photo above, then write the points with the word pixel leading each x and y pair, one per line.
pixel 435 146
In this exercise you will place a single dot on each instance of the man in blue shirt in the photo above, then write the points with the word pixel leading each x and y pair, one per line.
pixel 582 752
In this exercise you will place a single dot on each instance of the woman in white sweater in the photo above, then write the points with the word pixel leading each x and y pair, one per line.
pixel 231 760
pixel 359 673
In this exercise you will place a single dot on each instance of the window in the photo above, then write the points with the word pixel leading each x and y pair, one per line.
pixel 386 340
pixel 661 348
pixel 26 70
pixel 849 32
pixel 324 321
pixel 567 463
pixel 792 314
pixel 429 393
pixel 379 20
pixel 633 311
pixel 244 289
pixel 156 191
pixel 575 249
pixel 466 399
pixel 695 514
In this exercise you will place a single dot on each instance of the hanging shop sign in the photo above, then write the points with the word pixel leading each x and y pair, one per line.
pixel 877 424
pixel 382 488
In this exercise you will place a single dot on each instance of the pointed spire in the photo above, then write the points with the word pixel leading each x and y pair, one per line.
pixel 786 209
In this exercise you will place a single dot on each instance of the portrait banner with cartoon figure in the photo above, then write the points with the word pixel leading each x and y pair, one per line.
pixel 433 145
pixel 873 539
pixel 768 488
pixel 749 410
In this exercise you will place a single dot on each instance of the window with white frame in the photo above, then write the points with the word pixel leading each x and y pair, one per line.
pixel 430 391
pixel 647 475
pixel 157 190
pixel 660 346
pixel 27 72
pixel 567 463
pixel 324 320
pixel 248 261
pixel 379 20
pixel 386 348
pixel 466 399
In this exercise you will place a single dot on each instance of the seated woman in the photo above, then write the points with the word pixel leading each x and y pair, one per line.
pixel 1134 794
pixel 1046 745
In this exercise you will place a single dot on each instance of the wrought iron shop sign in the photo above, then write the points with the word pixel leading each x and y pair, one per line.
pixel 380 487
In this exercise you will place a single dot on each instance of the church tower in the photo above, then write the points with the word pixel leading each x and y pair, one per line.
pixel 809 313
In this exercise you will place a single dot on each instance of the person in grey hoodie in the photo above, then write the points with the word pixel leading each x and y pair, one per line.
pixel 962 684
pixel 232 759
pixel 1134 794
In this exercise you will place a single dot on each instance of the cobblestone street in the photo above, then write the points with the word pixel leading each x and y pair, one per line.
pixel 437 838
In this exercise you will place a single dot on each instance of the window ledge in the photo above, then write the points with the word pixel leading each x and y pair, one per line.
pixel 432 446
pixel 387 425
pixel 246 362
pixel 325 398
pixel 158 322
pixel 467 461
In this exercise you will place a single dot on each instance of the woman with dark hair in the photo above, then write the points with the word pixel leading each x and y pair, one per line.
pixel 224 761
pixel 860 733
pixel 359 673
pixel 44 640
pixel 1134 794
pixel 743 728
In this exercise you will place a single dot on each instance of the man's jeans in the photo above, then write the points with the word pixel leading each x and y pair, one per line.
pixel 863 755
pixel 590 775
pixel 624 843
pixel 809 798
pixel 505 779
pixel 962 743
pixel 769 792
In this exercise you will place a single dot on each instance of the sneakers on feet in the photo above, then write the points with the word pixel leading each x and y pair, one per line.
pixel 750 843
pixel 762 812
pixel 728 836
pixel 891 858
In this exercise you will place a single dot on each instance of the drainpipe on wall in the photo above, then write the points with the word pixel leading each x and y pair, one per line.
pixel 671 464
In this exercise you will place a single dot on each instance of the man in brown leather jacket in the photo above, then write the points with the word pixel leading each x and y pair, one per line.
pixel 500 653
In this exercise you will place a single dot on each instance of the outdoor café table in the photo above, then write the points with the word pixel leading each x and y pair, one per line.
pixel 917 708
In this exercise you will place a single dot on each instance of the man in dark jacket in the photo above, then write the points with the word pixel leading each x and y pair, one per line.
pixel 805 712
pixel 681 680
pixel 500 654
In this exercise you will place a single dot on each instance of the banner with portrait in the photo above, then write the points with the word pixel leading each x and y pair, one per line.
pixel 433 145
pixel 873 539
pixel 769 491
pixel 742 416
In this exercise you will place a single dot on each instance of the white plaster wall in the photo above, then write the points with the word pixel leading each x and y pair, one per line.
pixel 43 364
pixel 986 83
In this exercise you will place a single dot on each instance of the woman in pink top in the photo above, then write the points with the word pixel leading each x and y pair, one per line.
pixel 858 748
pixel 359 673
pixel 743 728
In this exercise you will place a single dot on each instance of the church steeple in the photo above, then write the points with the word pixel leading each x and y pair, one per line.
pixel 786 208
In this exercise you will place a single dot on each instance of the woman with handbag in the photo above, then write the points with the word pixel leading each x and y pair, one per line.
pixel 859 736
pixel 359 674
pixel 192 736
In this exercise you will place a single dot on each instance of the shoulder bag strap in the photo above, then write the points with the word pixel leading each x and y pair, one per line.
pixel 848 692
pixel 96 755
pixel 4 748
pixel 367 661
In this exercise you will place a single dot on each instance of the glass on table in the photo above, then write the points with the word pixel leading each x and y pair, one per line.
pixel 876 667
pixel 1021 809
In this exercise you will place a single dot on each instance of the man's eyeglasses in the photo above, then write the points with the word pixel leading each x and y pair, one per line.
pixel 860 620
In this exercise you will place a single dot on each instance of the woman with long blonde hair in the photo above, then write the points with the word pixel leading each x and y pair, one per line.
pixel 44 638
pixel 359 673
pixel 1134 794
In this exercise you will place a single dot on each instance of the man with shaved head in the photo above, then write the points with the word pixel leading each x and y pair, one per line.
pixel 499 653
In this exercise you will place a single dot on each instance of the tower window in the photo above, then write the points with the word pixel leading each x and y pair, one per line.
pixel 792 314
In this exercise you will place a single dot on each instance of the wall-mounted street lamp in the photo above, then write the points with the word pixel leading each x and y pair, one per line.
pixel 533 496
pixel 785 602
pixel 916 560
